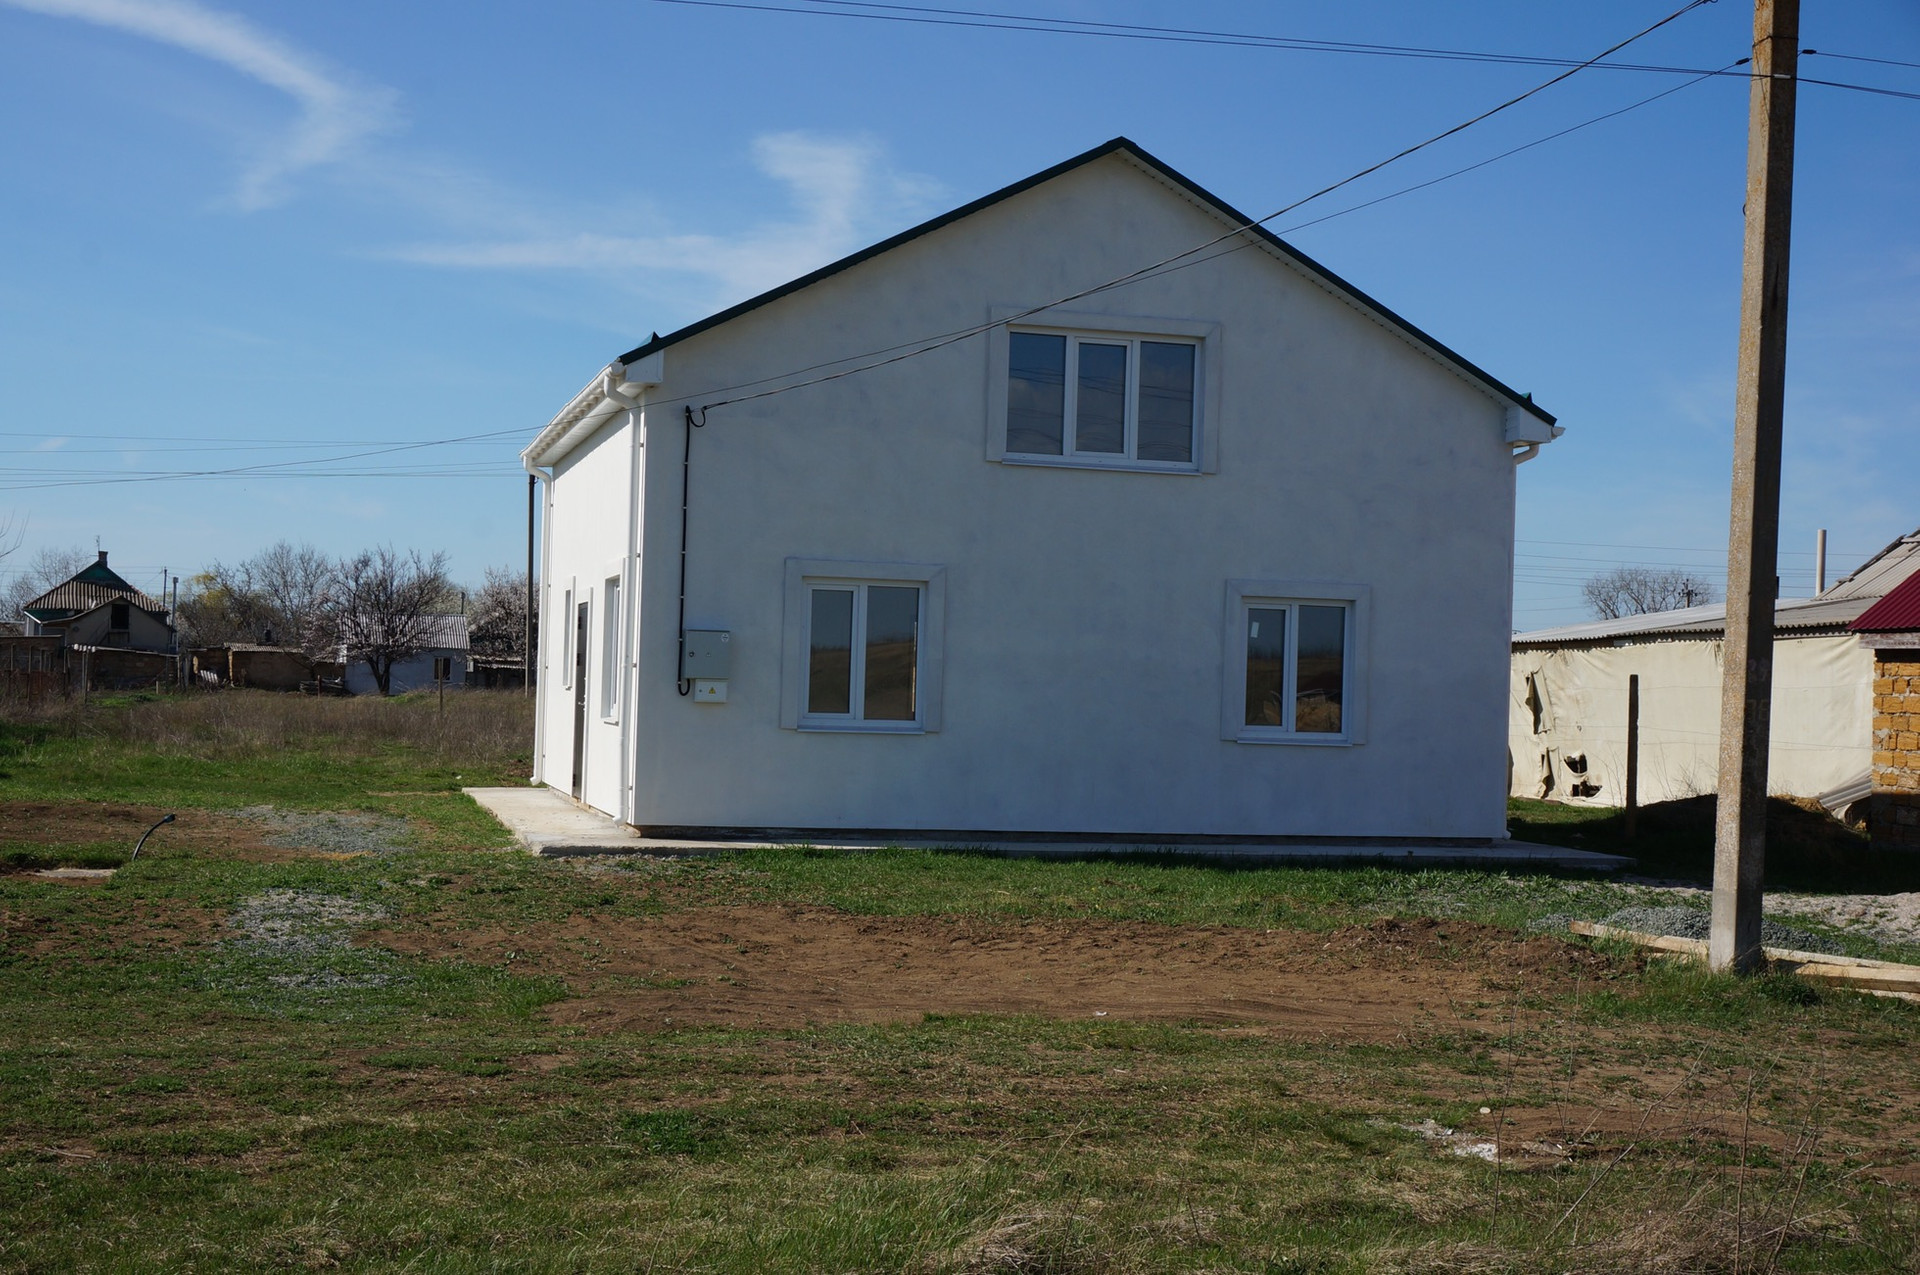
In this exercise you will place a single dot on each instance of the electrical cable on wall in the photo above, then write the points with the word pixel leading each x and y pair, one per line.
pixel 680 683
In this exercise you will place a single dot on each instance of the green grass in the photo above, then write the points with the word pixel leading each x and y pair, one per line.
pixel 171 1099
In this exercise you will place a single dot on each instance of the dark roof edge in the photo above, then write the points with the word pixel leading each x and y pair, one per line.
pixel 1045 175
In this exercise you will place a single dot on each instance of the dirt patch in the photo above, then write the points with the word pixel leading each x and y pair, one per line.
pixel 770 966
pixel 58 825
pixel 139 926
pixel 258 834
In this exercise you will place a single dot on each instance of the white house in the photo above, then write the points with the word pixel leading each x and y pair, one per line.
pixel 1568 689
pixel 1224 550
pixel 446 640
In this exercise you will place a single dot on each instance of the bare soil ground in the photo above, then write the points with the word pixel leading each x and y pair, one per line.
pixel 65 824
pixel 784 966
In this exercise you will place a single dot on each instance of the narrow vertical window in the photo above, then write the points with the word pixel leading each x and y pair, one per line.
pixel 893 652
pixel 610 650
pixel 566 639
pixel 1036 393
pixel 830 652
pixel 1166 402
pixel 1320 677
pixel 1266 665
pixel 1100 413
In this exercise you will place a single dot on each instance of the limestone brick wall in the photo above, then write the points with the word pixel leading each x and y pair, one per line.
pixel 1894 812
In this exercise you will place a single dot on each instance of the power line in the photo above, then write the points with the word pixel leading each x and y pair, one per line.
pixel 923 15
pixel 1458 172
pixel 928 15
pixel 1855 57
pixel 1145 271
pixel 265 469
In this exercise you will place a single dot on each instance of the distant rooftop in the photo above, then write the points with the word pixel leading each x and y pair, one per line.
pixel 86 589
pixel 1836 610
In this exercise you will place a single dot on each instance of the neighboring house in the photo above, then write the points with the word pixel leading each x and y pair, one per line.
pixel 96 608
pixel 1890 629
pixel 1222 552
pixel 1568 686
pixel 446 640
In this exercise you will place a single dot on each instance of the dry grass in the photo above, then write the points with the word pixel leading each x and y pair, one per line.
pixel 477 726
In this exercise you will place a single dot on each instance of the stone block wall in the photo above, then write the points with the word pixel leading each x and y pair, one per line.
pixel 1894 811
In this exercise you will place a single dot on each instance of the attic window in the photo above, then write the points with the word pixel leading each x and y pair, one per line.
pixel 120 617
pixel 1102 392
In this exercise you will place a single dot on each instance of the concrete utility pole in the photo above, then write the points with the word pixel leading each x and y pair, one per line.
pixel 1746 689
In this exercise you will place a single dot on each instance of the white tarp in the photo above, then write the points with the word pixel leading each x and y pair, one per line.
pixel 1567 719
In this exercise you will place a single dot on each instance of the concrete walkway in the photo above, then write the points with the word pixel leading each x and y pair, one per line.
pixel 550 824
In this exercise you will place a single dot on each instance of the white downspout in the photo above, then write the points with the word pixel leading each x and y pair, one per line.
pixel 630 622
pixel 542 632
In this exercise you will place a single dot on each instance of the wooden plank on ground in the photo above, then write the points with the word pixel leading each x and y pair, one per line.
pixel 1880 977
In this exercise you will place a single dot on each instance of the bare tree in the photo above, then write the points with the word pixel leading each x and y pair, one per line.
pixel 381 608
pixel 47 567
pixel 1628 591
pixel 497 616
pixel 275 597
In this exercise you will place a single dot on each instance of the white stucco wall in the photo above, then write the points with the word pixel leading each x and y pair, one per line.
pixel 1821 729
pixel 1083 675
pixel 412 674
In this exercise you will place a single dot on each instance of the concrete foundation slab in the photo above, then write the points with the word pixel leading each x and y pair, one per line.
pixel 550 824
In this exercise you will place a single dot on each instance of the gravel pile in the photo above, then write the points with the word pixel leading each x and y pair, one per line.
pixel 302 941
pixel 334 831
pixel 1692 923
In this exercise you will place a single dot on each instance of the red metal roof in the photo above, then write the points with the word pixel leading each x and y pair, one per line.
pixel 1898 610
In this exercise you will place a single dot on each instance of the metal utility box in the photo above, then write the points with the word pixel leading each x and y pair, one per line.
pixel 709 654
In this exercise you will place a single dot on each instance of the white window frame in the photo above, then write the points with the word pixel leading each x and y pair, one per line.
pixel 1246 595
pixel 566 637
pixel 1109 329
pixel 611 624
pixel 802 575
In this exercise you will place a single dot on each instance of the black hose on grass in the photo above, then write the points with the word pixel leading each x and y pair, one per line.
pixel 164 820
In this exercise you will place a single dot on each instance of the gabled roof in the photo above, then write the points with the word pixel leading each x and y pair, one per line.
pixel 1126 149
pixel 88 588
pixel 1898 611
pixel 1883 572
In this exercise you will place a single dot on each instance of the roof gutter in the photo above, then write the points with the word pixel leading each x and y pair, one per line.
pixel 615 390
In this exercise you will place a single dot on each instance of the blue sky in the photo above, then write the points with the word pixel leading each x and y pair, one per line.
pixel 270 234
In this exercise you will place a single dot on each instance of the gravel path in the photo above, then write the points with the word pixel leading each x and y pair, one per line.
pixel 336 831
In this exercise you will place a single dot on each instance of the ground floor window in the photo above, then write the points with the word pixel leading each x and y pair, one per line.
pixel 1292 663
pixel 863 646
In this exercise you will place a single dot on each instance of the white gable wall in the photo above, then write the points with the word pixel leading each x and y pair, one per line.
pixel 1083 646
pixel 585 544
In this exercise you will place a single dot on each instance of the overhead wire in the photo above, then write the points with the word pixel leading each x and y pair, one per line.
pixel 911 349
pixel 1134 275
pixel 927 15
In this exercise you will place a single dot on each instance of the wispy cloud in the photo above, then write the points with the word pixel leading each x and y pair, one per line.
pixel 842 192
pixel 334 114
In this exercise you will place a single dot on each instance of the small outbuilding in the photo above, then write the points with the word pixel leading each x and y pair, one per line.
pixel 1568 691
pixel 1089 508
pixel 441 659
